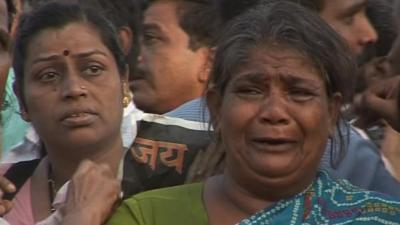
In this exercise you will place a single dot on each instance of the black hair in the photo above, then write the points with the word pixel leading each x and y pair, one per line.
pixel 123 13
pixel 33 23
pixel 200 19
pixel 292 27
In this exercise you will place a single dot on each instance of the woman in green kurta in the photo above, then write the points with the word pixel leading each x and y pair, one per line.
pixel 275 94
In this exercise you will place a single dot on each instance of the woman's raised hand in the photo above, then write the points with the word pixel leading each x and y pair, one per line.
pixel 92 194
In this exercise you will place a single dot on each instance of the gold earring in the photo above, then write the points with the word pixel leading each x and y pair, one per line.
pixel 127 96
pixel 126 100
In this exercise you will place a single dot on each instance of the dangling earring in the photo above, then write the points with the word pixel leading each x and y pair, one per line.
pixel 127 96
pixel 126 100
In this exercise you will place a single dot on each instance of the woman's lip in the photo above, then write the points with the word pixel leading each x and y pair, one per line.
pixel 274 140
pixel 274 144
pixel 79 119
pixel 74 112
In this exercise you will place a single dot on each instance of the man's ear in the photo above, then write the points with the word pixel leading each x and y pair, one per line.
pixel 209 54
pixel 126 36
pixel 214 106
pixel 24 112
pixel 335 106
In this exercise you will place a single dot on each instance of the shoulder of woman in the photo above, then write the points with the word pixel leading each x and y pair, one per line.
pixel 128 212
pixel 149 206
pixel 171 193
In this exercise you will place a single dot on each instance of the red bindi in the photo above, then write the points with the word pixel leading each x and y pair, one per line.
pixel 66 52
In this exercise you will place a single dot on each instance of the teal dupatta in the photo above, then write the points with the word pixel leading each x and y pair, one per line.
pixel 328 201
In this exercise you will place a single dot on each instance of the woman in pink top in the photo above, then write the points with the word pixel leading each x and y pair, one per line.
pixel 70 79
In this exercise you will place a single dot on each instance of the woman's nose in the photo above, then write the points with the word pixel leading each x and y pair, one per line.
pixel 73 87
pixel 274 110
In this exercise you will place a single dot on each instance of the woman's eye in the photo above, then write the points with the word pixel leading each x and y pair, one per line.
pixel 301 95
pixel 48 76
pixel 93 70
pixel 249 92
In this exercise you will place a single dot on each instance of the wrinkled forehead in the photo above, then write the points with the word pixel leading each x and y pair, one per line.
pixel 282 63
pixel 74 39
pixel 277 55
pixel 78 33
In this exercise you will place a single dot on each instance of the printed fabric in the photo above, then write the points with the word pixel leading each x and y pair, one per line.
pixel 330 202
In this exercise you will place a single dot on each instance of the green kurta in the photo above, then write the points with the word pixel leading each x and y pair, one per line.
pixel 181 205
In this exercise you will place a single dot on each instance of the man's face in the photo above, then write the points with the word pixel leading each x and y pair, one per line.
pixel 169 72
pixel 349 19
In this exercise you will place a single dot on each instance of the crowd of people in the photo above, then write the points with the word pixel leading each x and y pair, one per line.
pixel 199 112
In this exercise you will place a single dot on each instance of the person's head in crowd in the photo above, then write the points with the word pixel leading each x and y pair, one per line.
pixel 349 19
pixel 176 49
pixel 277 79
pixel 126 16
pixel 70 72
